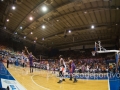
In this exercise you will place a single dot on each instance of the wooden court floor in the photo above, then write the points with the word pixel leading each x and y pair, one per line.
pixel 43 80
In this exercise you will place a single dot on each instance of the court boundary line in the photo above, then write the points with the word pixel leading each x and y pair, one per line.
pixel 108 83
pixel 38 84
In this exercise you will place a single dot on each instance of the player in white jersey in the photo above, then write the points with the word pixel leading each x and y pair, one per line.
pixel 62 69
pixel 47 66
pixel 22 59
pixel 87 68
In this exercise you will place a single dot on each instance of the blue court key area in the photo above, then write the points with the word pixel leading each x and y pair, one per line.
pixel 114 81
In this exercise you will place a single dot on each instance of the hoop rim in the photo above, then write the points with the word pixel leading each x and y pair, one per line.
pixel 93 53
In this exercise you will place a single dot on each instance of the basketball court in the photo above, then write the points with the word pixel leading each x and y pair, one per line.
pixel 21 79
pixel 43 80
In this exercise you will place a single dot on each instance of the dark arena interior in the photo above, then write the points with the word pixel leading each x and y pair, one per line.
pixel 59 44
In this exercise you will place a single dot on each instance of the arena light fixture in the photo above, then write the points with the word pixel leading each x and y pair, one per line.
pixel 92 27
pixel 31 18
pixel 43 39
pixel 69 31
pixel 31 32
pixel 24 37
pixel 4 27
pixel 15 32
pixel 85 12
pixel 7 20
pixel 44 8
pixel 21 27
pixel 57 20
pixel 43 27
pixel 117 8
pixel 13 7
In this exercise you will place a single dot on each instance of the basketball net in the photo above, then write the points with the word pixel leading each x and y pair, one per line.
pixel 93 53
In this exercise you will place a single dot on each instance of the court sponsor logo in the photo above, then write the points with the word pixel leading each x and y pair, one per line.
pixel 95 76
pixel 114 75
pixel 13 85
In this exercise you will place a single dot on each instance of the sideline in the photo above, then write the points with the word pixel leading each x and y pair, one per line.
pixel 108 82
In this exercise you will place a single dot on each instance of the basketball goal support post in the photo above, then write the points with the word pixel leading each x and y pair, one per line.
pixel 100 49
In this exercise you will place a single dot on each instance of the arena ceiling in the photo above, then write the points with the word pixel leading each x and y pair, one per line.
pixel 62 23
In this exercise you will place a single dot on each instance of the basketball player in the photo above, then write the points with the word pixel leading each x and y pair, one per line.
pixel 62 69
pixel 87 68
pixel 54 68
pixel 47 66
pixel 30 60
pixel 23 59
pixel 72 70
pixel 7 57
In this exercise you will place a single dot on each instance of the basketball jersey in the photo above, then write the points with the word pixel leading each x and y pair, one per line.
pixel 31 60
pixel 47 66
pixel 27 60
pixel 73 67
pixel 87 68
pixel 22 58
pixel 61 64
pixel 62 60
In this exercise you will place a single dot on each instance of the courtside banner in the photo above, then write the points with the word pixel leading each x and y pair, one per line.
pixel 13 84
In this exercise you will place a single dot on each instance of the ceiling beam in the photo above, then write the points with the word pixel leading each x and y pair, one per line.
pixel 78 28
pixel 96 9
pixel 84 42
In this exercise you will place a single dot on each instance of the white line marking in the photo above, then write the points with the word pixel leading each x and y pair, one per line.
pixel 38 84
pixel 108 82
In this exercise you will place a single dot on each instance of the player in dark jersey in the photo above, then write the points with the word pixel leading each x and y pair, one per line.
pixel 31 62
pixel 30 57
pixel 72 70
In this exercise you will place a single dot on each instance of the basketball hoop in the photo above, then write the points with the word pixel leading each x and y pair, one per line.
pixel 93 53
